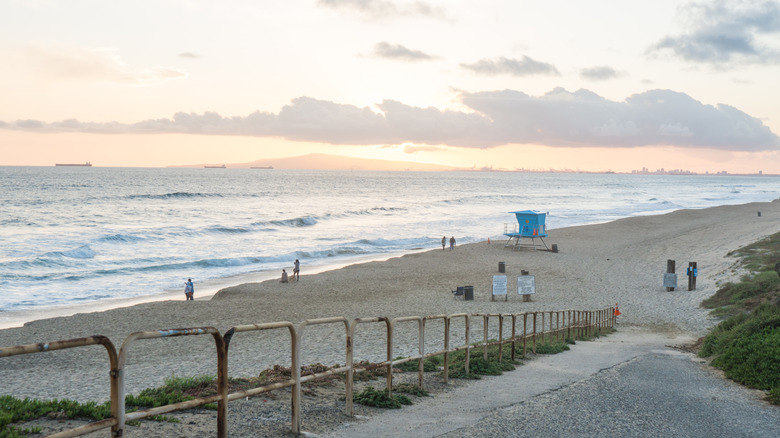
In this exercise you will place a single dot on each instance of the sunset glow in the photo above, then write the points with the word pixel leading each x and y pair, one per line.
pixel 563 85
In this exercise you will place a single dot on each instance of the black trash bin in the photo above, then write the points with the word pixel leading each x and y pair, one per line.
pixel 501 267
pixel 468 293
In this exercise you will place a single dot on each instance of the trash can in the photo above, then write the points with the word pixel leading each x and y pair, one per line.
pixel 501 267
pixel 468 293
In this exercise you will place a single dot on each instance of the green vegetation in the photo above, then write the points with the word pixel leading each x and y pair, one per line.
pixel 175 389
pixel 13 410
pixel 381 399
pixel 429 364
pixel 746 346
pixel 178 389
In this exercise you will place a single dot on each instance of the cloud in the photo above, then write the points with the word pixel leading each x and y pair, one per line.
pixel 381 9
pixel 727 33
pixel 412 148
pixel 515 67
pixel 559 119
pixel 599 73
pixel 188 55
pixel 397 51
pixel 95 64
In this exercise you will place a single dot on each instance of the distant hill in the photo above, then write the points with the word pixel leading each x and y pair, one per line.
pixel 331 162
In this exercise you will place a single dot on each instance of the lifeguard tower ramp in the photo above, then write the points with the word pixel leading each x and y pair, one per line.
pixel 530 225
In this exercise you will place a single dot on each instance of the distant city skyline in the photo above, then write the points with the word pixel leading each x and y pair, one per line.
pixel 592 86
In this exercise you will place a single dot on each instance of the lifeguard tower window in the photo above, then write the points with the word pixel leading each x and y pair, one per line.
pixel 530 225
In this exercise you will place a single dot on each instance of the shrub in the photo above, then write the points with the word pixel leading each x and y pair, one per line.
pixel 753 360
pixel 747 348
pixel 381 399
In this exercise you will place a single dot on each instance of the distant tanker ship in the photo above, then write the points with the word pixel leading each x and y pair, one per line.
pixel 87 164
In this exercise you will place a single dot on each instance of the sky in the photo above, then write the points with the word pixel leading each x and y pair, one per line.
pixel 615 85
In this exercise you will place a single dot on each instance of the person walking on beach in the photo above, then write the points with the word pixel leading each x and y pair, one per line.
pixel 443 242
pixel 284 277
pixel 189 290
pixel 297 270
pixel 452 243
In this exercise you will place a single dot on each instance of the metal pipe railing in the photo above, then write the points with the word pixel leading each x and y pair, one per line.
pixel 571 323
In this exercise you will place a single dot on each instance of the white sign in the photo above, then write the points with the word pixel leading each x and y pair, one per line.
pixel 526 285
pixel 499 285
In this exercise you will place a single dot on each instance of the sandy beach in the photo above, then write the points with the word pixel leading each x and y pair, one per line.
pixel 597 266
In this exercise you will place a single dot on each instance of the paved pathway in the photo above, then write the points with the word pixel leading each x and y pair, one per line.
pixel 631 383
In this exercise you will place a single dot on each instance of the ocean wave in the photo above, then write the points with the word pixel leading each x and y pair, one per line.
pixel 122 238
pixel 82 252
pixel 304 221
pixel 175 195
pixel 228 230
pixel 374 210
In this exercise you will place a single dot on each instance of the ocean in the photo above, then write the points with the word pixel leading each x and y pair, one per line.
pixel 78 236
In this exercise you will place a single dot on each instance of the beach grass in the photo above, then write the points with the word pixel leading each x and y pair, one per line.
pixel 746 345
pixel 176 389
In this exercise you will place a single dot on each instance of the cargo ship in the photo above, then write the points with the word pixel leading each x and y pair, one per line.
pixel 87 164
pixel 221 166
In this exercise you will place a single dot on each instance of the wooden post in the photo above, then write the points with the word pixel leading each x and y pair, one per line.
pixel 669 270
pixel 692 273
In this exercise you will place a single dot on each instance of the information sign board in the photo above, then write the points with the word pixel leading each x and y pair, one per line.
pixel 526 284
pixel 499 285
pixel 670 279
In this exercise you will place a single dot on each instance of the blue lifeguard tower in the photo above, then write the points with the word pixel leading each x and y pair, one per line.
pixel 530 225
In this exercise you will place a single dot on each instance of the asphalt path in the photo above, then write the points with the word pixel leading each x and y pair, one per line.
pixel 631 383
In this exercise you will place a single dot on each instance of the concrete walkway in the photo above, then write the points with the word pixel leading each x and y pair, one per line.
pixel 631 383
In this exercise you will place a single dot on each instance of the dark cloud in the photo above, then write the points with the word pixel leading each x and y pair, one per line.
pixel 599 73
pixel 558 118
pixel 727 33
pixel 30 124
pixel 515 67
pixel 582 118
pixel 397 51
pixel 380 9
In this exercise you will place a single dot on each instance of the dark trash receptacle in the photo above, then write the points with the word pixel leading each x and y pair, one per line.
pixel 501 267
pixel 468 292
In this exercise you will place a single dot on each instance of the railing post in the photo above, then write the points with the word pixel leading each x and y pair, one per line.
pixel 389 366
pixel 485 323
pixel 295 421
pixel 446 349
pixel 421 348
pixel 500 337
pixel 525 332
pixel 223 388
pixel 468 344
pixel 350 377
pixel 514 335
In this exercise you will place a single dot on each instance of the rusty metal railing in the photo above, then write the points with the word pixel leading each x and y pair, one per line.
pixel 222 381
pixel 113 375
pixel 562 323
